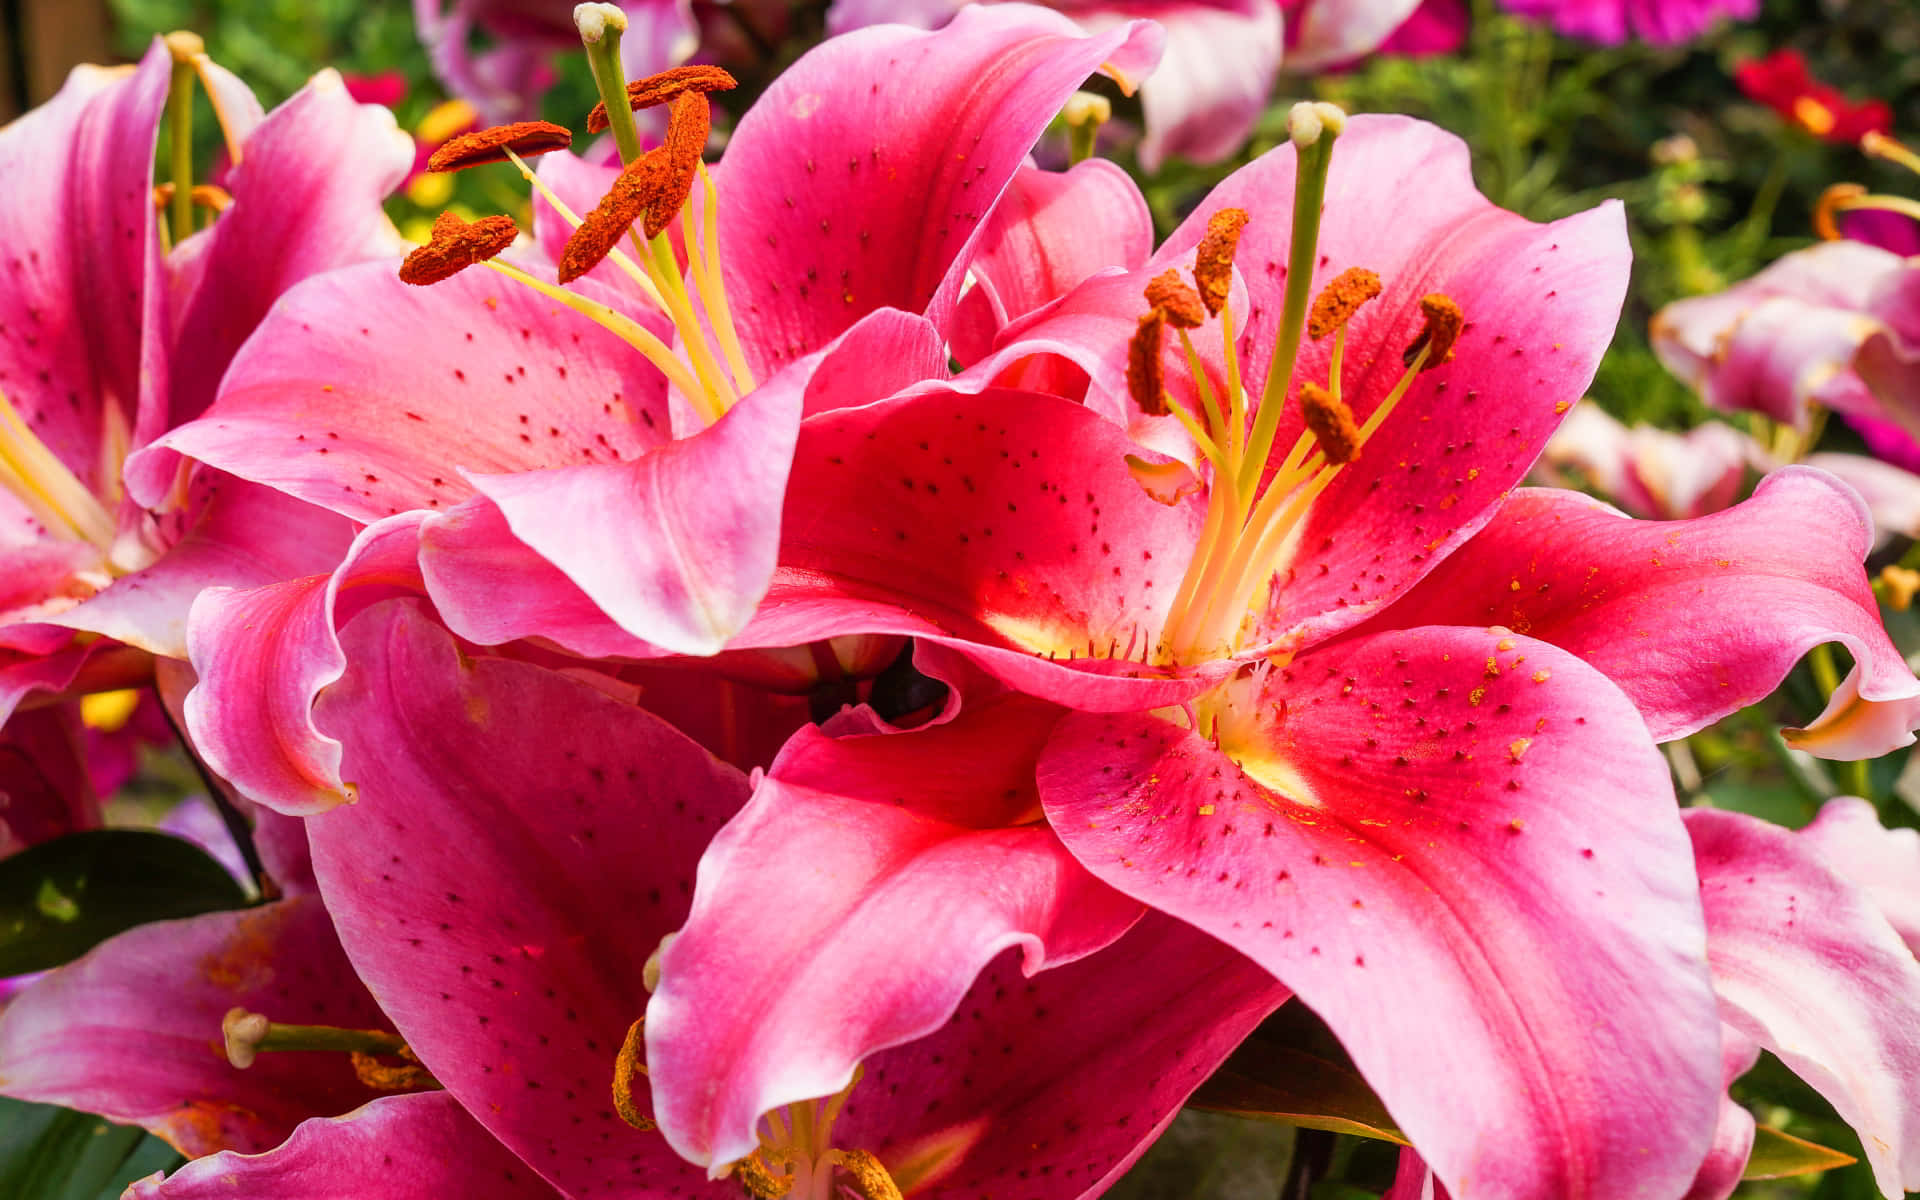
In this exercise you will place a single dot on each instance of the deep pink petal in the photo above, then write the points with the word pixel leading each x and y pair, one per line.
pixel 1805 965
pixel 306 198
pixel 1665 609
pixel 1054 1084
pixel 1461 850
pixel 43 776
pixel 1004 523
pixel 420 1146
pixel 842 912
pixel 369 396
pixel 132 1030
pixel 862 176
pixel 1540 301
pixel 246 536
pixel 1733 1135
pixel 83 308
pixel 1050 231
pixel 43 577
pixel 264 653
pixel 520 845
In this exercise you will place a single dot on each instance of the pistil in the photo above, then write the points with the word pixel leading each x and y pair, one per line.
pixel 186 49
pixel 250 1034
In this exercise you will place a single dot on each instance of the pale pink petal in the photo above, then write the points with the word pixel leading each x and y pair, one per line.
pixel 306 198
pixel 1805 965
pixel 520 845
pixel 132 1029
pixel 420 1146
pixel 1325 32
pixel 1050 231
pixel 1892 493
pixel 245 536
pixel 1665 609
pixel 862 177
pixel 1362 812
pixel 368 396
pixel 1200 103
pixel 1884 862
pixel 1733 1135
pixel 264 653
pixel 842 912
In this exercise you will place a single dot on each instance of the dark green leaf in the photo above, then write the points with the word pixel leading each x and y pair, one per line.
pixel 61 898
pixel 1778 1155
pixel 51 1153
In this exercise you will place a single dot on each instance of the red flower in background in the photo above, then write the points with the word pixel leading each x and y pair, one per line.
pixel 1781 82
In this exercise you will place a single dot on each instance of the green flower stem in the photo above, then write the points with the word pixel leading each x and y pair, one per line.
pixel 600 31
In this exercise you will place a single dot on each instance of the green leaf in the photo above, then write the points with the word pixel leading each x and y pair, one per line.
pixel 53 1153
pixel 1778 1155
pixel 62 898
pixel 1293 1071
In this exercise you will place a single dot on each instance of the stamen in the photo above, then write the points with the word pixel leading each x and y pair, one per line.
pixel 482 146
pixel 1181 304
pixel 867 1176
pixel 1083 115
pixel 457 245
pixel 1213 261
pixel 629 1067
pixel 408 1076
pixel 689 123
pixel 1881 145
pixel 43 483
pixel 1331 422
pixel 1337 303
pixel 1831 204
pixel 1168 482
pixel 760 1183
pixel 664 88
pixel 625 202
pixel 1444 321
pixel 1146 377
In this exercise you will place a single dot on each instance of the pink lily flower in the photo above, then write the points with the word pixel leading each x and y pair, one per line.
pixel 511 950
pixel 1383 658
pixel 1805 935
pixel 110 340
pixel 1650 472
pixel 1221 57
pixel 572 493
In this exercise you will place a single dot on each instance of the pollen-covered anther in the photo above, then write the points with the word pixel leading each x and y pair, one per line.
pixel 1831 204
pixel 1339 300
pixel 482 146
pixel 664 88
pixel 1146 377
pixel 1213 261
pixel 1444 322
pixel 457 245
pixel 1181 304
pixel 867 1177
pixel 629 1067
pixel 1331 422
pixel 689 122
pixel 759 1182
pixel 408 1076
pixel 631 195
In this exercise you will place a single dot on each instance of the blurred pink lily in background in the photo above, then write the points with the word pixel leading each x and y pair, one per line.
pixel 1220 62
pixel 108 337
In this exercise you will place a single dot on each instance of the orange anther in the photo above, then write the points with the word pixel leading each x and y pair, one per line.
pixel 457 245
pixel 525 138
pixel 1213 261
pixel 1444 322
pixel 626 202
pixel 664 88
pixel 1170 294
pixel 1146 378
pixel 1339 300
pixel 1331 422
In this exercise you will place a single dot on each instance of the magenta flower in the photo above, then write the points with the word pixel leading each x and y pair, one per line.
pixel 1610 22
pixel 510 948
pixel 115 338
pixel 620 496
pixel 1327 698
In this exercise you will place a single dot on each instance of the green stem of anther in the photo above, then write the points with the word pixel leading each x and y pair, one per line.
pixel 1852 776
pixel 610 79
pixel 1309 195
pixel 180 126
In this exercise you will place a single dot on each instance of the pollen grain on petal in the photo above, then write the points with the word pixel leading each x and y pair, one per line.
pixel 664 88
pixel 628 200
pixel 1339 300
pixel 457 245
pixel 1170 294
pixel 689 122
pixel 482 146
pixel 1331 422
pixel 1213 261
pixel 1444 321
pixel 1146 377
